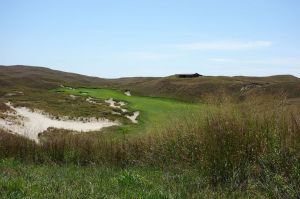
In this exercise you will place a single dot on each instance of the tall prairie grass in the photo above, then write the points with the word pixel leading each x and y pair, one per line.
pixel 230 143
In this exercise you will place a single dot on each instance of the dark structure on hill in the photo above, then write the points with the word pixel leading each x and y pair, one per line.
pixel 188 75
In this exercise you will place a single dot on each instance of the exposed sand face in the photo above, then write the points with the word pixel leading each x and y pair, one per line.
pixel 72 96
pixel 127 93
pixel 124 110
pixel 122 103
pixel 115 113
pixel 119 105
pixel 91 100
pixel 133 117
pixel 27 123
pixel 113 103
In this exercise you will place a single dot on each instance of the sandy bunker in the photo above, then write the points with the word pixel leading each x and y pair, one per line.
pixel 119 105
pixel 27 123
pixel 127 93
pixel 133 117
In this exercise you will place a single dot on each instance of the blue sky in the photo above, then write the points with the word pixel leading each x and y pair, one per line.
pixel 110 38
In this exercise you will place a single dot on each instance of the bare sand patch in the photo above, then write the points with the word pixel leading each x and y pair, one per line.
pixel 112 103
pixel 91 100
pixel 119 105
pixel 72 96
pixel 127 93
pixel 133 117
pixel 29 123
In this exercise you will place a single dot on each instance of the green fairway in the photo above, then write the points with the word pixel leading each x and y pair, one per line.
pixel 153 111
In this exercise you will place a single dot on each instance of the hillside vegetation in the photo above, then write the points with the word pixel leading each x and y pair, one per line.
pixel 190 89
pixel 249 149
pixel 239 139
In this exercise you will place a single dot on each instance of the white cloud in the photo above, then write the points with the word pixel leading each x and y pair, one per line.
pixel 274 61
pixel 224 45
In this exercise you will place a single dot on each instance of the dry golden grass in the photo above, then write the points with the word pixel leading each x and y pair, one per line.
pixel 229 143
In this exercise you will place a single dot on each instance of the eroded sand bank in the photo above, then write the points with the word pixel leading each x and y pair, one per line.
pixel 27 123
pixel 114 104
pixel 133 117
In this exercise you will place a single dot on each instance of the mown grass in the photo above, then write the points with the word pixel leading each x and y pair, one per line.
pixel 153 110
pixel 251 148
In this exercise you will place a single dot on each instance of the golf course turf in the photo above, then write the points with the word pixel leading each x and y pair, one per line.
pixel 153 110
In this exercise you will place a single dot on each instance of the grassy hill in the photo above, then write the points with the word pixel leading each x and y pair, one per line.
pixel 214 137
pixel 190 89
pixel 40 77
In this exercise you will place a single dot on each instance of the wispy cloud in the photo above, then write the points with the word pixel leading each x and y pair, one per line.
pixel 224 45
pixel 274 61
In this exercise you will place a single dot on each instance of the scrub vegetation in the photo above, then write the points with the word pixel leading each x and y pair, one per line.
pixel 222 146
pixel 249 149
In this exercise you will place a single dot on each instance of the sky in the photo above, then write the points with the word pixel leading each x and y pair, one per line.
pixel 124 38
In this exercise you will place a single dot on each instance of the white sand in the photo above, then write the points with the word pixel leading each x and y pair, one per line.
pixel 112 103
pixel 30 124
pixel 72 96
pixel 127 93
pixel 124 110
pixel 115 104
pixel 122 103
pixel 119 105
pixel 91 100
pixel 115 113
pixel 133 117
